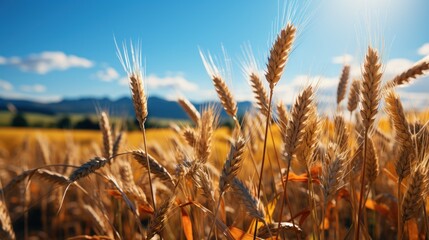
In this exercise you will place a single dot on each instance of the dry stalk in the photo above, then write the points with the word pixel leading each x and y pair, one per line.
pixel 370 99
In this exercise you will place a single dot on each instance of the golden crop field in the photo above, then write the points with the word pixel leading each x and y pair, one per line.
pixel 360 171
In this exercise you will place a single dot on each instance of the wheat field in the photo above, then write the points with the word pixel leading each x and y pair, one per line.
pixel 280 173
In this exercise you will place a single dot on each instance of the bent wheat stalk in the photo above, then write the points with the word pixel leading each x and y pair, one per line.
pixel 279 55
pixel 139 97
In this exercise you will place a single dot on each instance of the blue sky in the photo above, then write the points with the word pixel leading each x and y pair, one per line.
pixel 50 50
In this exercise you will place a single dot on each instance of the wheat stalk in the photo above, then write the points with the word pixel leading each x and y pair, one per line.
pixel 370 99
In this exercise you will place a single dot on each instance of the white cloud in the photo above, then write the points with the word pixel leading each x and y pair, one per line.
pixel 5 85
pixel 343 59
pixel 170 82
pixel 45 62
pixel 109 74
pixel 424 50
pixel 32 97
pixel 177 82
pixel 36 88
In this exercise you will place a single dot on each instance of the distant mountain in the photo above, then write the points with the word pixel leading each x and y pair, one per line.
pixel 158 107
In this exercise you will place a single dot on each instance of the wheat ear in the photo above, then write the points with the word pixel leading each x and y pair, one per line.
pixel 107 135
pixel 342 85
pixel 279 54
pixel 190 109
pixel 415 194
pixel 204 141
pixel 225 96
pixel 252 205
pixel 396 113
pixel 87 168
pixel 259 92
pixel 353 100
pixel 6 231
pixel 53 177
pixel 232 164
pixel 370 99
pixel 372 164
pixel 159 218
pixel 405 77
pixel 155 167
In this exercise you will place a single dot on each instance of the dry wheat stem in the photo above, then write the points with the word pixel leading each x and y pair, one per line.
pixel 251 204
pixel 294 132
pixel 342 85
pixel 370 98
